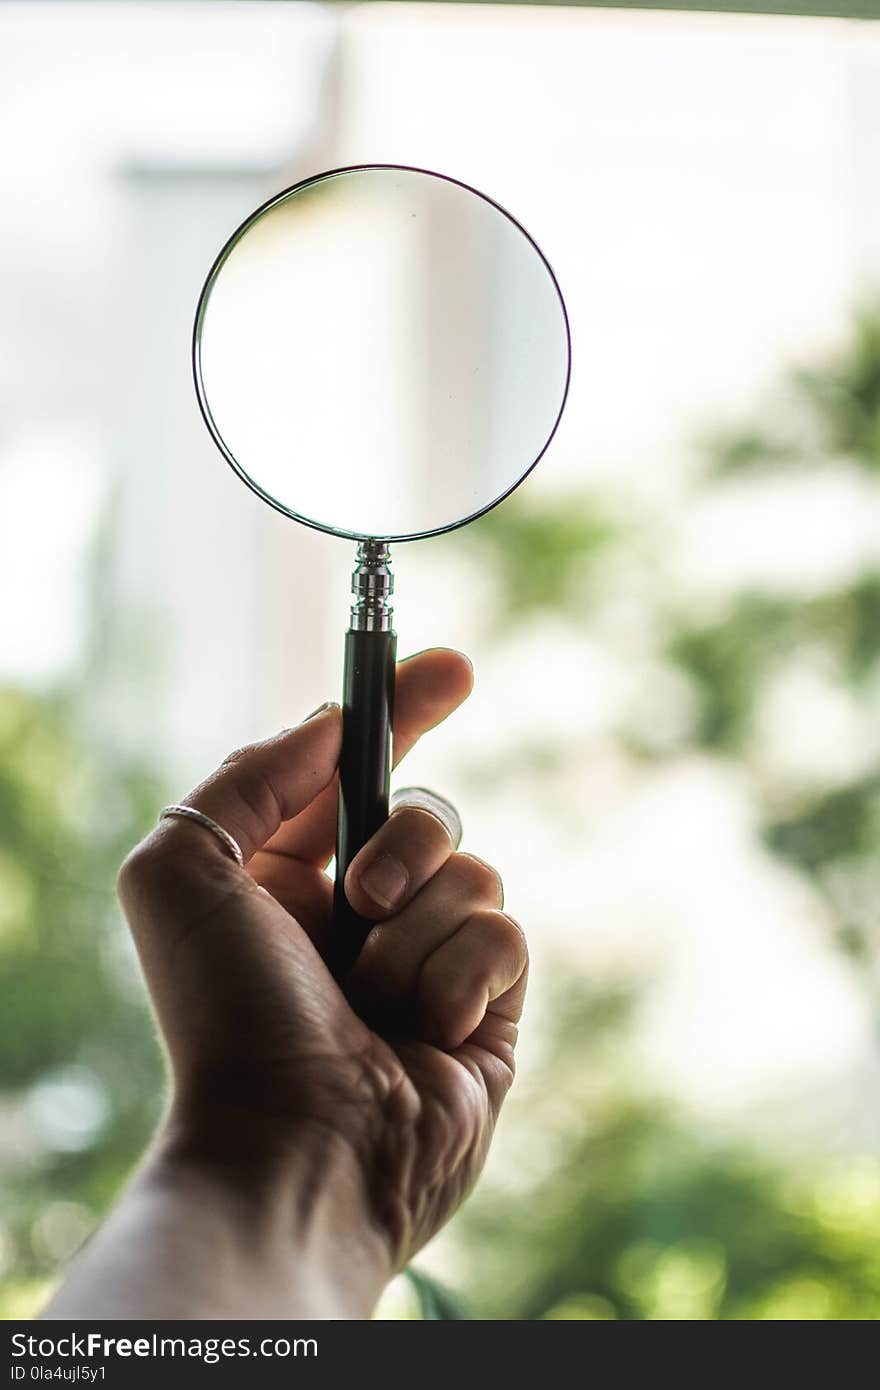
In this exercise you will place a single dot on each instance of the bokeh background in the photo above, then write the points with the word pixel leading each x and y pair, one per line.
pixel 672 751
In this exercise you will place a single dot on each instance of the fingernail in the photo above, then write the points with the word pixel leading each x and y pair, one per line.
pixel 384 881
pixel 328 704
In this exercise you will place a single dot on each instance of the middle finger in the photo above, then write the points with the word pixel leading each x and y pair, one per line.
pixel 387 969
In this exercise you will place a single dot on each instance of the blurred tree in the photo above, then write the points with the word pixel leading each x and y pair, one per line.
pixel 81 1077
pixel 634 1214
pixel 821 416
pixel 825 414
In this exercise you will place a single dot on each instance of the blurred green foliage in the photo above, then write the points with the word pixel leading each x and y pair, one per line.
pixel 81 1078
pixel 821 415
pixel 620 1207
pixel 827 409
pixel 542 556
pixel 638 1214
pixel 635 1215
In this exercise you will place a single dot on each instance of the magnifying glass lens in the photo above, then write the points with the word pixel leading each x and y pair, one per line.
pixel 381 352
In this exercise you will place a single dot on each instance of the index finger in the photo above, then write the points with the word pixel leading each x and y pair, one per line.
pixel 429 686
pixel 258 787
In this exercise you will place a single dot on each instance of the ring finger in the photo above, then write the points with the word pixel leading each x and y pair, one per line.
pixel 385 976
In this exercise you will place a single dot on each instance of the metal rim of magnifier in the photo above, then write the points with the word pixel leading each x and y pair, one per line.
pixel 201 394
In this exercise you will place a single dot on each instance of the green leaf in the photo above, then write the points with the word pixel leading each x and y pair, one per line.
pixel 436 1302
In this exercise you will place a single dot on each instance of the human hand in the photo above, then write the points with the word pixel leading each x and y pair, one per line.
pixel 372 1110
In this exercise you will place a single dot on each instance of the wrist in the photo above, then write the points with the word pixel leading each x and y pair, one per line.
pixel 293 1200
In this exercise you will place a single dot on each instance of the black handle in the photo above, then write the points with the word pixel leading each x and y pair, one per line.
pixel 364 775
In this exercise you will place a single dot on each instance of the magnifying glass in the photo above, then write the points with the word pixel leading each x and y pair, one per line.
pixel 382 353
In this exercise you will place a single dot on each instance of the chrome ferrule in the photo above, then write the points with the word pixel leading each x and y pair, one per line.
pixel 372 585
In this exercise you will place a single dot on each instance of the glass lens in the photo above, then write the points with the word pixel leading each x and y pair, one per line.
pixel 381 352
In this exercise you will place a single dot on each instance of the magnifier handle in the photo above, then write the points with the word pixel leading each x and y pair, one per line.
pixel 364 775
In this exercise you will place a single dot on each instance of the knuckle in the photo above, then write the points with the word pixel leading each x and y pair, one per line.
pixel 142 869
pixel 496 951
pixel 159 874
pixel 238 755
pixel 482 879
pixel 254 793
pixel 243 778
pixel 508 937
pixel 499 926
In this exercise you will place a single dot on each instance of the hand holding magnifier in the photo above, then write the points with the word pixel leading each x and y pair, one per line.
pixel 381 353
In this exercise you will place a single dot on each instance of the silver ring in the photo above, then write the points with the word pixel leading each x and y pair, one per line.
pixel 190 813
pixel 436 806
